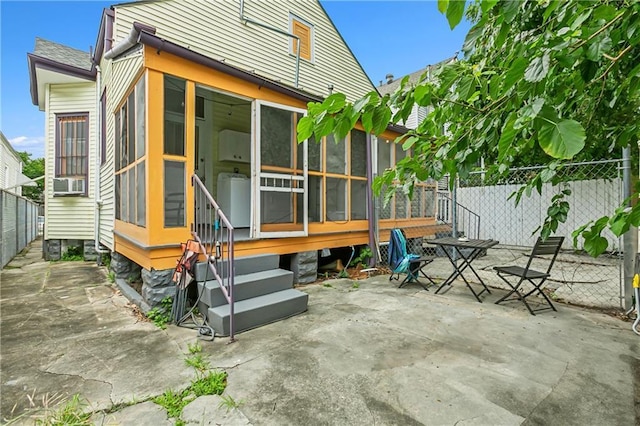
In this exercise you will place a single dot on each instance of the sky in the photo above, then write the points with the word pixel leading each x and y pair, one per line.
pixel 387 37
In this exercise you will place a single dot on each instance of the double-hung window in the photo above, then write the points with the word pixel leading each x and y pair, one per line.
pixel 72 142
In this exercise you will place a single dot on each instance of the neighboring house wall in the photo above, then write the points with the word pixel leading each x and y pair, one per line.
pixel 70 217
pixel 220 34
pixel 10 167
pixel 119 77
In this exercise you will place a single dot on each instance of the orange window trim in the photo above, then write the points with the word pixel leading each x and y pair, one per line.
pixel 304 34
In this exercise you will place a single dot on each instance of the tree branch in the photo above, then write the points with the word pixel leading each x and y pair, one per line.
pixel 597 33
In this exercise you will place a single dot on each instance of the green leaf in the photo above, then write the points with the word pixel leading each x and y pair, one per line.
pixel 422 95
pixel 455 11
pixel 409 142
pixel 466 87
pixel 381 117
pixel 514 74
pixel 594 244
pixel 619 225
pixel 334 102
pixel 506 137
pixel 537 69
pixel 546 175
pixel 367 120
pixel 442 5
pixel 305 128
pixel 360 103
pixel 487 5
pixel 598 47
pixel 324 127
pixel 604 11
pixel 562 140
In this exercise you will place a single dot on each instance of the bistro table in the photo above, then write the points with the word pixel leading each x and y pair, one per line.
pixel 462 252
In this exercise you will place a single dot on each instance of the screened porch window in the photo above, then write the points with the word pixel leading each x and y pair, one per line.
pixel 130 158
pixel 423 203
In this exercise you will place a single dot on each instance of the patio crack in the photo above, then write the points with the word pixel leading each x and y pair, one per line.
pixel 78 376
pixel 553 388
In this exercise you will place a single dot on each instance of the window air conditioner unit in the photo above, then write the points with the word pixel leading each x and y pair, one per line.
pixel 67 186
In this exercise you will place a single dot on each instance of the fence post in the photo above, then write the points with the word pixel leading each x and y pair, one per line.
pixel 630 238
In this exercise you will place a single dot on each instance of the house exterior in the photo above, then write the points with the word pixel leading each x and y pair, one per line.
pixel 11 175
pixel 186 102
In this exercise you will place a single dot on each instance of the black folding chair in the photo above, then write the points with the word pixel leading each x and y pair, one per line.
pixel 518 275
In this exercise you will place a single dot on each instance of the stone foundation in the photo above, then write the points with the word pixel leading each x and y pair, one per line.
pixel 89 250
pixel 54 249
pixel 124 268
pixel 305 267
pixel 156 285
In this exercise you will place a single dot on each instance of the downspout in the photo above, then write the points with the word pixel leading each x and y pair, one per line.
pixel 246 20
pixel 372 239
pixel 131 40
pixel 98 202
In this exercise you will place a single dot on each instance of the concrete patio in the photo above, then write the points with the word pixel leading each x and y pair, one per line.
pixel 365 353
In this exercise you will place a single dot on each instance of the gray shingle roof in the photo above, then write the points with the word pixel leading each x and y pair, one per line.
pixel 414 77
pixel 62 54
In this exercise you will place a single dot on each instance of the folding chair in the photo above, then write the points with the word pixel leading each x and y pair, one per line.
pixel 402 262
pixel 519 275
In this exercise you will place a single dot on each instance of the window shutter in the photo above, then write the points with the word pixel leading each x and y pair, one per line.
pixel 304 34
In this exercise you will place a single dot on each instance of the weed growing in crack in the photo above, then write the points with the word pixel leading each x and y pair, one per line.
pixel 174 402
pixel 161 315
pixel 213 383
pixel 71 413
pixel 229 403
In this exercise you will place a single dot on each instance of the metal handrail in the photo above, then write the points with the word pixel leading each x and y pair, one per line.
pixel 468 220
pixel 209 227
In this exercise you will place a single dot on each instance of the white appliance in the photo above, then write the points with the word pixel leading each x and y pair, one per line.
pixel 234 198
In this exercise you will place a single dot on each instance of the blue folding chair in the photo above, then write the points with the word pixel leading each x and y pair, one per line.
pixel 402 262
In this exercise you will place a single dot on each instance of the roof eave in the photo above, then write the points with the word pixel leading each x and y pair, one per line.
pixel 51 65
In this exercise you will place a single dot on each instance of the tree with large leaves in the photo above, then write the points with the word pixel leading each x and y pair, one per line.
pixel 33 168
pixel 560 79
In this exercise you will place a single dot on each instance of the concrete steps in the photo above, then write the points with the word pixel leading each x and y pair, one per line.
pixel 263 294
pixel 258 311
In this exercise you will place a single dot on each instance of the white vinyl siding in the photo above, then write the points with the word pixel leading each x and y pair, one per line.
pixel 119 76
pixel 215 30
pixel 10 169
pixel 70 217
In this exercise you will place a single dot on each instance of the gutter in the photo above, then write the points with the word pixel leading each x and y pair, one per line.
pixel 132 39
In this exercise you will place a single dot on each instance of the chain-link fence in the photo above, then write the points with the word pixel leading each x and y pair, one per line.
pixel 18 225
pixel 483 209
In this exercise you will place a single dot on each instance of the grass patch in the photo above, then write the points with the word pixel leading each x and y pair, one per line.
pixel 71 413
pixel 213 383
pixel 174 402
pixel 73 254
